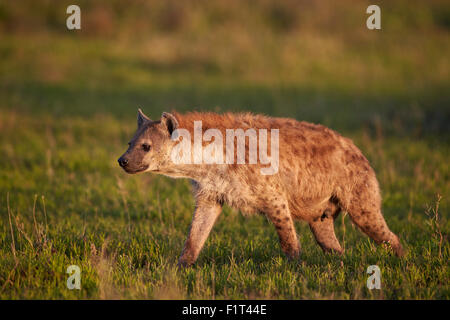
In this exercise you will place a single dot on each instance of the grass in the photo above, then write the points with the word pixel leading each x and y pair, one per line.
pixel 67 108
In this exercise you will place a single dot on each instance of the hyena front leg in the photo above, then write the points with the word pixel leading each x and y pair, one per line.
pixel 280 215
pixel 205 215
pixel 323 229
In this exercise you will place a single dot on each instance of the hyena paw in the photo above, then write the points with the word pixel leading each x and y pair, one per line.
pixel 184 263
pixel 292 254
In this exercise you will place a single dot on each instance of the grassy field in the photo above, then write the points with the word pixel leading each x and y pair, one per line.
pixel 68 102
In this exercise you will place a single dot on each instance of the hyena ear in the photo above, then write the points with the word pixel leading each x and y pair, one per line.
pixel 169 121
pixel 142 118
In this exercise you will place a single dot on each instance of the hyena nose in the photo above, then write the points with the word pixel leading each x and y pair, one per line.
pixel 122 162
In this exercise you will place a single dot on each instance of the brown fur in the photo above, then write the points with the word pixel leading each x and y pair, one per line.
pixel 320 173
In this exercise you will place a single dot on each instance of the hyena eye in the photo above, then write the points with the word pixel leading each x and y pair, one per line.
pixel 146 147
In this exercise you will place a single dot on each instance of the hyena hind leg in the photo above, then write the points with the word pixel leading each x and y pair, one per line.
pixel 323 229
pixel 371 221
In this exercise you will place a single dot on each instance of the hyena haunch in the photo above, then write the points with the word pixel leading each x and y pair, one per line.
pixel 320 173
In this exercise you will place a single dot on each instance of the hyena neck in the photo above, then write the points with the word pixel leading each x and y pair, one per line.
pixel 197 172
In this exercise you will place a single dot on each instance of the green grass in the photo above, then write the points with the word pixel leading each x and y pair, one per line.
pixel 68 104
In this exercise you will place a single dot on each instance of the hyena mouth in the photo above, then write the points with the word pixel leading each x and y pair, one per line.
pixel 135 170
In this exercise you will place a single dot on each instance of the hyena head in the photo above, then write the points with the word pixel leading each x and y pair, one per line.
pixel 151 145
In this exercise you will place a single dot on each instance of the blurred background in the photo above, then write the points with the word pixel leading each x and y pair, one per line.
pixel 314 60
pixel 68 106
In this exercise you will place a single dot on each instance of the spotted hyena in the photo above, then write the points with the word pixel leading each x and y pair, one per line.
pixel 317 174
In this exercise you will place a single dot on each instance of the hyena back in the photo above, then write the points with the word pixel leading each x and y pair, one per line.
pixel 320 173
